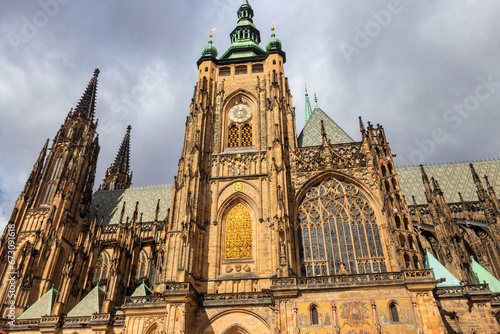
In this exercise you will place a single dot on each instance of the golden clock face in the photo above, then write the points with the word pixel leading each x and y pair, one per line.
pixel 240 113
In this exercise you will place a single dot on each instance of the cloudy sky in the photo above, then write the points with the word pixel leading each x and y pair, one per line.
pixel 426 70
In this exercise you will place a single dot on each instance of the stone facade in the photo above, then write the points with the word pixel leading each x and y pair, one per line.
pixel 256 235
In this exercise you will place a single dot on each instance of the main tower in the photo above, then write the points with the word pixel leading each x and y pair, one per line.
pixel 230 203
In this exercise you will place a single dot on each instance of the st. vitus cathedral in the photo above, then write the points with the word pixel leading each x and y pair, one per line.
pixel 262 231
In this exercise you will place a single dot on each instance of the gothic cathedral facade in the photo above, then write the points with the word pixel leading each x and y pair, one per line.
pixel 262 231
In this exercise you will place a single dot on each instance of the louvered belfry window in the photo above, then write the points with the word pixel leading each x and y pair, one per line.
pixel 338 233
pixel 246 135
pixel 239 136
pixel 232 137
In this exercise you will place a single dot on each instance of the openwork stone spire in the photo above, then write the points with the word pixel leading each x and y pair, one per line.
pixel 86 106
pixel 118 176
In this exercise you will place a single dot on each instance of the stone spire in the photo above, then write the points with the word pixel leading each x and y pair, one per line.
pixel 86 106
pixel 118 176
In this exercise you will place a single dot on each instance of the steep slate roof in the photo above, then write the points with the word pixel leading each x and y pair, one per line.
pixel 311 133
pixel 482 275
pixel 452 178
pixel 142 290
pixel 111 203
pixel 439 271
pixel 90 304
pixel 42 306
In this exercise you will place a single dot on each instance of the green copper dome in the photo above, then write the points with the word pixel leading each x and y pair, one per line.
pixel 273 43
pixel 209 50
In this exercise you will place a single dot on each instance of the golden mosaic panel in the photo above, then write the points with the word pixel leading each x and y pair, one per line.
pixel 238 233
pixel 238 186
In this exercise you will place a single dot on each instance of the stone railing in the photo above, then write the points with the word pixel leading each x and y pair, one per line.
pixel 495 298
pixel 119 319
pixel 101 318
pixel 27 322
pixel 141 301
pixel 283 283
pixel 77 321
pixel 174 288
pixel 4 323
pixel 417 274
pixel 50 320
pixel 406 276
pixel 462 290
pixel 241 298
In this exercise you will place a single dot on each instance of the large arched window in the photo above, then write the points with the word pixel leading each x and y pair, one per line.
pixel 101 267
pixel 338 233
pixel 54 174
pixel 142 265
pixel 394 312
pixel 238 236
pixel 314 316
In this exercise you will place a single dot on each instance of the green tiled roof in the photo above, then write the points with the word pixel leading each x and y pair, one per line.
pixel 439 271
pixel 311 133
pixel 482 275
pixel 111 203
pixel 90 304
pixel 452 178
pixel 41 307
pixel 142 290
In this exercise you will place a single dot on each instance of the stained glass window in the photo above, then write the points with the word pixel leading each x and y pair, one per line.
pixel 101 265
pixel 338 231
pixel 142 265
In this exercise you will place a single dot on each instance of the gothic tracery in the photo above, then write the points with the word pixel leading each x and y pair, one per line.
pixel 338 232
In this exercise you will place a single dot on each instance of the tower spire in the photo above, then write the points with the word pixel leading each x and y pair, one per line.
pixel 308 106
pixel 245 37
pixel 118 176
pixel 86 106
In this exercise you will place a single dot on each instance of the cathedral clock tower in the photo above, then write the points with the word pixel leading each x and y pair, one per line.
pixel 231 218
